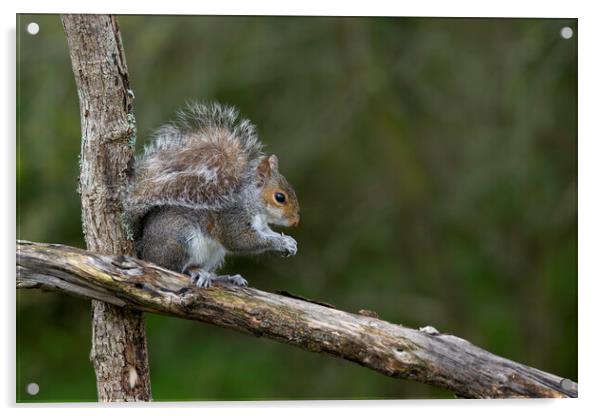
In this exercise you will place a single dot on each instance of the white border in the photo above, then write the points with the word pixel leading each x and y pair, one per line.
pixel 589 35
pixel 512 8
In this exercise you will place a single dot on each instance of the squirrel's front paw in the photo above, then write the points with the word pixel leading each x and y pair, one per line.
pixel 289 246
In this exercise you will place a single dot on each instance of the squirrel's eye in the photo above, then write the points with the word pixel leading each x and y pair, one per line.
pixel 279 197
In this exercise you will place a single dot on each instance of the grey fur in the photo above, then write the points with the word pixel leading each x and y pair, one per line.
pixel 167 232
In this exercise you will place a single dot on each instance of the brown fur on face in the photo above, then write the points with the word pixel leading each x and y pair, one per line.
pixel 272 182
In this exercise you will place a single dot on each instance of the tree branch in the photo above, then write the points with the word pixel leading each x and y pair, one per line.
pixel 426 356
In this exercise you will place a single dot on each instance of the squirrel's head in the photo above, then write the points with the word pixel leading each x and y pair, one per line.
pixel 278 196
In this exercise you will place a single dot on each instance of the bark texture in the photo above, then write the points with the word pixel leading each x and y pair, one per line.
pixel 422 355
pixel 119 352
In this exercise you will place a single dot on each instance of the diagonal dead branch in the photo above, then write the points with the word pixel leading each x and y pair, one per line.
pixel 425 356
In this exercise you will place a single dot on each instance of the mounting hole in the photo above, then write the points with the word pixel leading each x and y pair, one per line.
pixel 32 389
pixel 33 28
pixel 566 32
pixel 567 384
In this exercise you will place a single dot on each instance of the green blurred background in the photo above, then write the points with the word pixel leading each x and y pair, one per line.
pixel 436 165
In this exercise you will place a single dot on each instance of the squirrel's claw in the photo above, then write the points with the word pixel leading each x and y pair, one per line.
pixel 204 282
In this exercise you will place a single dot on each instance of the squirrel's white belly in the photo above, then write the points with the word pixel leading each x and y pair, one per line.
pixel 205 252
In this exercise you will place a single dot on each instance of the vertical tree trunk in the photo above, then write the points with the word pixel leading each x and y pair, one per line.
pixel 119 352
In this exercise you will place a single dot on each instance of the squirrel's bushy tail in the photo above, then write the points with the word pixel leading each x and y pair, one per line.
pixel 199 161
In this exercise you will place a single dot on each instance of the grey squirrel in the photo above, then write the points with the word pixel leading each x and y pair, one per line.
pixel 203 189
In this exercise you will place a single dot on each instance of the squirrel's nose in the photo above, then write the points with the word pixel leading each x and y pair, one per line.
pixel 295 222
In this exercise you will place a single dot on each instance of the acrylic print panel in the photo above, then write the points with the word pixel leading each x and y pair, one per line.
pixel 435 164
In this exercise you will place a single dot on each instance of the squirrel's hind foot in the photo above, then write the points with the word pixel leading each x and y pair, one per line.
pixel 236 280
pixel 204 279
pixel 201 278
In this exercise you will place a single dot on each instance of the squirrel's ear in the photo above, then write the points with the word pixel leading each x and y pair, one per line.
pixel 264 171
pixel 273 159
